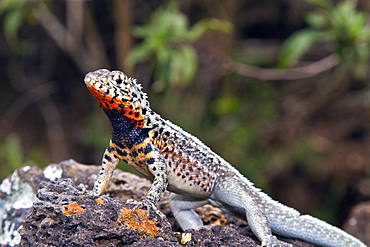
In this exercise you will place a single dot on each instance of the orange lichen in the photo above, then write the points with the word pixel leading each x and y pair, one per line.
pixel 21 230
pixel 100 201
pixel 220 222
pixel 138 220
pixel 73 208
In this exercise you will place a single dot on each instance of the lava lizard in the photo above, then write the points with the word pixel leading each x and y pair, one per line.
pixel 175 160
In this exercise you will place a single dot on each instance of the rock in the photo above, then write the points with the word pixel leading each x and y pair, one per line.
pixel 18 191
pixel 17 194
pixel 63 215
pixel 358 223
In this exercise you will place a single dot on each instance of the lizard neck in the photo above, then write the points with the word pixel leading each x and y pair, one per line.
pixel 115 107
pixel 126 130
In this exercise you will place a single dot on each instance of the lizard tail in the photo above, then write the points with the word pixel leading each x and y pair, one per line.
pixel 289 222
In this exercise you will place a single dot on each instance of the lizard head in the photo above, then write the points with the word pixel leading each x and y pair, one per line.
pixel 118 95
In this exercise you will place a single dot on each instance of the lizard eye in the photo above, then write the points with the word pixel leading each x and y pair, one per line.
pixel 119 81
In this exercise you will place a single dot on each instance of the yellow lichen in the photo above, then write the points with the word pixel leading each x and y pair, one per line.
pixel 185 238
pixel 73 208
pixel 138 220
pixel 100 201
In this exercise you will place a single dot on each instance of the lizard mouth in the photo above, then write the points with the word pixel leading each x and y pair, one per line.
pixel 102 86
pixel 116 92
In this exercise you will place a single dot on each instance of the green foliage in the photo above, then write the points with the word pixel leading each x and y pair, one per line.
pixel 13 17
pixel 297 45
pixel 343 25
pixel 11 151
pixel 330 205
pixel 167 42
pixel 15 12
pixel 226 105
pixel 97 131
pixel 240 113
pixel 12 156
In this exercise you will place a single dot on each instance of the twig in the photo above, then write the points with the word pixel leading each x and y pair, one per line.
pixel 16 109
pixel 123 21
pixel 303 72
pixel 66 41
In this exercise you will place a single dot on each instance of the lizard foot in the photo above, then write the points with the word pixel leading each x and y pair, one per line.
pixel 148 205
pixel 274 242
pixel 85 191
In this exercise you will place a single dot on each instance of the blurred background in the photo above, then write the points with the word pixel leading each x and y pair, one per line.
pixel 280 89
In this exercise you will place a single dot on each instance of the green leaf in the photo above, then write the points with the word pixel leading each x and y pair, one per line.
pixel 226 105
pixel 166 41
pixel 162 67
pixel 206 25
pixel 9 5
pixel 11 151
pixel 139 53
pixel 296 45
pixel 348 23
pixel 141 31
pixel 164 25
pixel 360 58
pixel 184 65
pixel 12 22
pixel 317 20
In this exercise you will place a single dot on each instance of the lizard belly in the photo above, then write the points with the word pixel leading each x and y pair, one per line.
pixel 187 174
pixel 185 187
pixel 190 179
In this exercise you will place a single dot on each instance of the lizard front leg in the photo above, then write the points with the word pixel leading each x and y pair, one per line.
pixel 153 162
pixel 158 168
pixel 109 163
pixel 238 196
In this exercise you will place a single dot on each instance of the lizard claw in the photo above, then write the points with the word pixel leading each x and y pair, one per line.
pixel 274 242
pixel 83 190
pixel 148 205
pixel 145 204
